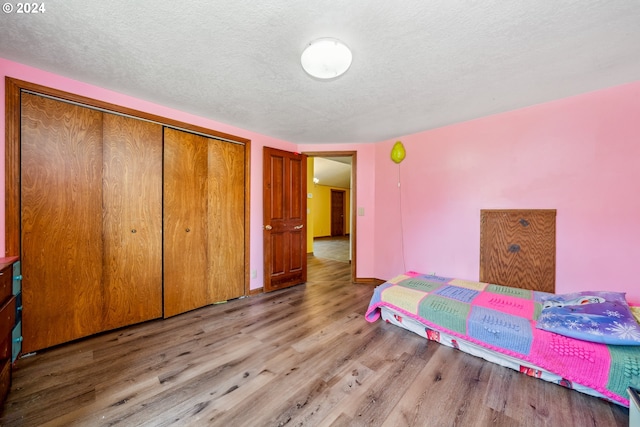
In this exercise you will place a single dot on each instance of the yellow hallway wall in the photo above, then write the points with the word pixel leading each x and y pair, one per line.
pixel 321 209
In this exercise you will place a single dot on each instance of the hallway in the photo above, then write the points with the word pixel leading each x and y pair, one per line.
pixel 335 248
pixel 329 260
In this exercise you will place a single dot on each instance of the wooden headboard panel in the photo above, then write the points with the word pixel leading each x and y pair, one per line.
pixel 518 248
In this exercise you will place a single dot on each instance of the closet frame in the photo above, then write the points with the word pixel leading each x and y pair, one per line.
pixel 14 88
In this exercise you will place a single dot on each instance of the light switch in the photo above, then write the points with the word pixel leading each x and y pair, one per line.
pixel 309 195
pixel 360 211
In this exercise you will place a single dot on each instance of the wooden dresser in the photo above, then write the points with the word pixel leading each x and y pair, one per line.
pixel 10 315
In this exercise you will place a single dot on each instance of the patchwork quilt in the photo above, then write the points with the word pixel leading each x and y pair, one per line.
pixel 503 319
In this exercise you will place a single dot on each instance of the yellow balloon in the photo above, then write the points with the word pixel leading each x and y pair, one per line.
pixel 397 152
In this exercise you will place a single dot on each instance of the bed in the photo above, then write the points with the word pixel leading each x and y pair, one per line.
pixel 515 328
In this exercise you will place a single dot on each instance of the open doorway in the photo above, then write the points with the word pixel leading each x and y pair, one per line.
pixel 331 222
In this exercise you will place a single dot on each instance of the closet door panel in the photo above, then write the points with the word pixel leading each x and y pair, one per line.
pixel 185 222
pixel 132 218
pixel 61 214
pixel 226 219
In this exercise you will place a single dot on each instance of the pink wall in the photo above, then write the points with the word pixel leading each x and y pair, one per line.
pixel 578 155
pixel 23 72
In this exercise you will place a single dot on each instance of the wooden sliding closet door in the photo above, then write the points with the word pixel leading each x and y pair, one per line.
pixel 61 198
pixel 86 197
pixel 226 219
pixel 132 217
pixel 203 221
pixel 185 222
pixel 91 215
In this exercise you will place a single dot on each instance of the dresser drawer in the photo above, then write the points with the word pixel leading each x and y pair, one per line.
pixel 5 379
pixel 5 348
pixel 7 318
pixel 6 283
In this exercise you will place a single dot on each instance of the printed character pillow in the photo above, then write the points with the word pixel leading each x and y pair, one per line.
pixel 603 317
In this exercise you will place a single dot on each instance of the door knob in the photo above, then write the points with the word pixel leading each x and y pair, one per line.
pixel 268 227
pixel 298 227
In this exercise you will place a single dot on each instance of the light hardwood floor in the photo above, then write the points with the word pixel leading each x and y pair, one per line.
pixel 302 356
pixel 335 248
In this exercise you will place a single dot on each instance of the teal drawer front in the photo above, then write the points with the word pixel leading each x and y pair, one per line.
pixel 16 341
pixel 17 278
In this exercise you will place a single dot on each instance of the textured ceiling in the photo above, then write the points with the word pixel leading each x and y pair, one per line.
pixel 416 64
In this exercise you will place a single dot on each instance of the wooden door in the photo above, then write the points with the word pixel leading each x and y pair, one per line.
pixel 185 222
pixel 204 221
pixel 61 221
pixel 284 215
pixel 337 213
pixel 517 248
pixel 82 200
pixel 226 237
pixel 132 231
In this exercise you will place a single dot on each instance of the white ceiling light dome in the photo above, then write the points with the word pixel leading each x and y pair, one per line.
pixel 326 58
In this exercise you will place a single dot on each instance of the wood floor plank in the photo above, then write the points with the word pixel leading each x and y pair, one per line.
pixel 348 384
pixel 106 403
pixel 350 324
pixel 416 406
pixel 382 397
pixel 302 377
pixel 301 356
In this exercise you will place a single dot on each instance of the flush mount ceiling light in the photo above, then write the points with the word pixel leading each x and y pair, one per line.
pixel 326 58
